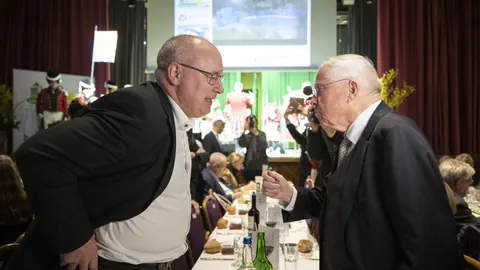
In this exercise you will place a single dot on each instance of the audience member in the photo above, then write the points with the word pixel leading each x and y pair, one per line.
pixel 212 175
pixel 458 175
pixel 15 214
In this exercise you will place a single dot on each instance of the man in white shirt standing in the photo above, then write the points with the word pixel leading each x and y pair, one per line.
pixel 110 189
pixel 380 203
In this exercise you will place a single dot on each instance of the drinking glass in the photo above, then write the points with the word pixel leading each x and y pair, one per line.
pixel 290 254
pixel 237 251
pixel 271 217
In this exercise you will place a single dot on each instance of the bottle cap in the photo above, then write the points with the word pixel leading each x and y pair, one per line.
pixel 247 240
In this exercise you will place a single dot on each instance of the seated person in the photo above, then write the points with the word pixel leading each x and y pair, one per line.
pixel 15 213
pixel 212 177
pixel 233 173
pixel 458 176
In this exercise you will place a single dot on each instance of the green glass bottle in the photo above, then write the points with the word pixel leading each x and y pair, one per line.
pixel 261 262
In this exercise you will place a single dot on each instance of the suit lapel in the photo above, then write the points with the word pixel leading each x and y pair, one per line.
pixel 167 107
pixel 355 163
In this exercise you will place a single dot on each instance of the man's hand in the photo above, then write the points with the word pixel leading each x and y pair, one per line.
pixel 276 186
pixel 200 150
pixel 196 207
pixel 83 258
pixel 192 155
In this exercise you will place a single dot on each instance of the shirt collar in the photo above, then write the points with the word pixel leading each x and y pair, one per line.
pixel 355 130
pixel 180 115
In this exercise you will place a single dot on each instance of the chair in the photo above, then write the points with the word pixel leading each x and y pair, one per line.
pixel 451 198
pixel 469 238
pixel 212 211
pixel 224 202
pixel 6 252
pixel 196 236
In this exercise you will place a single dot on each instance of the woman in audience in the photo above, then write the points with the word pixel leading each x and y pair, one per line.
pixel 466 158
pixel 458 175
pixel 443 158
pixel 233 173
pixel 15 214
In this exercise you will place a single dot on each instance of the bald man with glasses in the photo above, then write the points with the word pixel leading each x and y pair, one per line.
pixel 115 181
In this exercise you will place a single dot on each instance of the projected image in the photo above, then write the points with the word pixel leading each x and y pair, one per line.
pixel 195 30
pixel 260 22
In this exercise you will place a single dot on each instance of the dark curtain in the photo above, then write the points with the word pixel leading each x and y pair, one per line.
pixel 436 47
pixel 130 22
pixel 342 39
pixel 362 29
pixel 51 34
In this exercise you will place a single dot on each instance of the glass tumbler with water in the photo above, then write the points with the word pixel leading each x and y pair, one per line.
pixel 290 253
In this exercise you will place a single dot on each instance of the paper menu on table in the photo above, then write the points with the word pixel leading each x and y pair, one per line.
pixel 272 244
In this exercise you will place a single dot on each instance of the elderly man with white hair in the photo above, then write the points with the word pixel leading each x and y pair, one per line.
pixel 385 205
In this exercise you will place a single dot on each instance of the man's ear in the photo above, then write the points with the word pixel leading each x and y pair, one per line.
pixel 174 74
pixel 352 90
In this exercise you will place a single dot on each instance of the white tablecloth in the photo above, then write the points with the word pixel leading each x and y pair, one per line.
pixel 298 230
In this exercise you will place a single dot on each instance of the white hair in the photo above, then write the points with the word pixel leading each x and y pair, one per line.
pixel 354 67
pixel 217 160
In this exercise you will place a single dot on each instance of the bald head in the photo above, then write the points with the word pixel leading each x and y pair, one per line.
pixel 217 160
pixel 354 67
pixel 190 71
pixel 181 49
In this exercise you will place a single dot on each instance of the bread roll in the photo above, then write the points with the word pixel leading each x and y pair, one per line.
pixel 222 223
pixel 241 200
pixel 305 246
pixel 232 210
pixel 212 246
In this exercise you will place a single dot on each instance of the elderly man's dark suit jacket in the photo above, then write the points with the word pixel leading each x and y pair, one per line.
pixel 385 206
pixel 107 165
pixel 211 181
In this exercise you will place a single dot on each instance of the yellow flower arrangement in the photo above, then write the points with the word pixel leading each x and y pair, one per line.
pixel 391 94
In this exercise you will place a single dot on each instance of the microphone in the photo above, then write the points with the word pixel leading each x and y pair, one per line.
pixel 307 90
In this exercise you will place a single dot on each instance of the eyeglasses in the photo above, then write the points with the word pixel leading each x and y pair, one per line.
pixel 212 77
pixel 319 89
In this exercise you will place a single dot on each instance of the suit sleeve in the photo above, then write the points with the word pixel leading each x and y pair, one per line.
pixel 53 161
pixel 308 204
pixel 299 138
pixel 414 197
